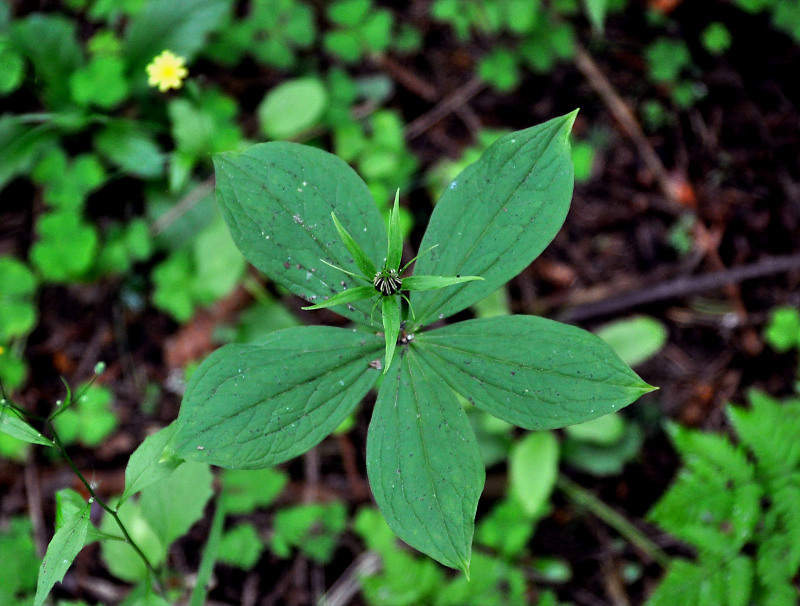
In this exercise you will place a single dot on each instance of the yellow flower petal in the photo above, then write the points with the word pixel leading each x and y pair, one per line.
pixel 167 71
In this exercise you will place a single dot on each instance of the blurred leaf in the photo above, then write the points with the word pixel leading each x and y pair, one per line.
pixel 172 505
pixel 596 11
pixel 493 582
pixel 313 529
pixel 604 430
pixel 12 370
pixel 68 182
pixel 100 83
pixel 128 145
pixel 292 107
pixel 246 491
pixel 17 288
pixel 218 265
pixel 635 339
pixel 240 546
pixel 180 27
pixel 13 66
pixel 89 420
pixel 666 59
pixel 204 126
pixel 120 558
pixel 21 146
pixel 533 468
pixel 50 42
pixel 783 329
pixel 604 460
pixel 18 554
pixel 506 529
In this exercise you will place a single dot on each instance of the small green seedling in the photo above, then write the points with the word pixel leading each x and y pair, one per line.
pixel 253 406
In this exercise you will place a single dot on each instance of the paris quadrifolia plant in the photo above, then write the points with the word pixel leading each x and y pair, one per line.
pixel 306 220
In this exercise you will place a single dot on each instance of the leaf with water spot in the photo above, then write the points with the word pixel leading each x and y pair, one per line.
pixel 530 371
pixel 277 199
pixel 424 463
pixel 252 406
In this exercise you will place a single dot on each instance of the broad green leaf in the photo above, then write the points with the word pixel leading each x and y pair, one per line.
pixel 277 200
pixel 533 468
pixel 635 339
pixel 11 424
pixel 362 260
pixel 147 464
pixel 391 326
pixel 180 27
pixel 174 504
pixel 530 371
pixel 423 462
pixel 497 216
pixel 292 107
pixel 251 406
pixel 67 542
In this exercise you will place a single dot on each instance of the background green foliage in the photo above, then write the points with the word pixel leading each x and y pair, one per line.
pixel 122 195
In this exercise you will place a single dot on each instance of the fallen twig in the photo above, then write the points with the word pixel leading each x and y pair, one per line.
pixel 681 287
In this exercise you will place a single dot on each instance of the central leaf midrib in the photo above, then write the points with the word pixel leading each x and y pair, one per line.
pixel 325 252
pixel 434 301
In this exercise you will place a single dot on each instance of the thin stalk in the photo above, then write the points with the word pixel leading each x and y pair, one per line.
pixel 582 497
pixel 111 511
pixel 200 591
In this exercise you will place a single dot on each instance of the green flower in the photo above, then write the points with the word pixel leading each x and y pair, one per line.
pixel 387 283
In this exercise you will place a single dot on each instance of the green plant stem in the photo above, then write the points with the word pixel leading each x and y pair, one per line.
pixel 582 497
pixel 111 511
pixel 198 597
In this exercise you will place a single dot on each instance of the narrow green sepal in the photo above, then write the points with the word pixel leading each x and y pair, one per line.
pixel 405 267
pixel 434 282
pixel 358 293
pixel 394 254
pixel 391 327
pixel 361 259
pixel 349 273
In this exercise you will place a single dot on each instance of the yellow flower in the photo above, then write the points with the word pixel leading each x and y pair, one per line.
pixel 166 71
pixel 2 350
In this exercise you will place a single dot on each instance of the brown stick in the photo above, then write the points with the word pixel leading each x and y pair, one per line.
pixel 627 120
pixel 449 104
pixel 682 287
